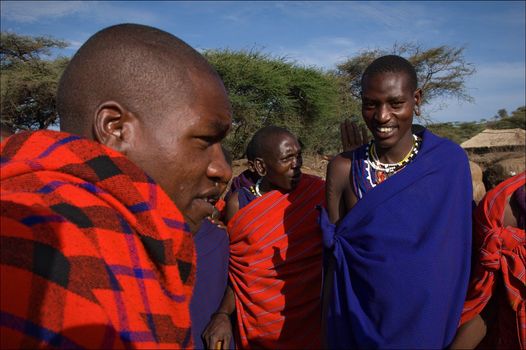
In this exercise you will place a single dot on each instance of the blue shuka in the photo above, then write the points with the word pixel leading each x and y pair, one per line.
pixel 402 255
pixel 212 247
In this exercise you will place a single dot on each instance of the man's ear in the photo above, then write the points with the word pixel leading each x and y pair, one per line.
pixel 418 100
pixel 260 167
pixel 251 166
pixel 114 125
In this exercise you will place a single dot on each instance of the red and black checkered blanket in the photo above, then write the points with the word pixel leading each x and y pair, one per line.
pixel 94 254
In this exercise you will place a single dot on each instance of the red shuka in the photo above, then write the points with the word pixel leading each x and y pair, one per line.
pixel 276 268
pixel 499 251
pixel 94 254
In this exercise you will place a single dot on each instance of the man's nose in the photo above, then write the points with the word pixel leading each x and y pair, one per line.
pixel 219 170
pixel 382 113
pixel 297 163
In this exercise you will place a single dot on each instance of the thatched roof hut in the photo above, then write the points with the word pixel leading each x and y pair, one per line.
pixel 506 139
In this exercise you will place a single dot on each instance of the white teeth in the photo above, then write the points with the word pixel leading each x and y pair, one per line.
pixel 385 129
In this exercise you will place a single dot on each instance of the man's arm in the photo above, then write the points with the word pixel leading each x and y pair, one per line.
pixel 218 332
pixel 470 334
pixel 232 207
pixel 338 191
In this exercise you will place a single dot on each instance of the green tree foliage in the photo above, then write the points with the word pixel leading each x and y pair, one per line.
pixel 517 119
pixel 457 132
pixel 441 70
pixel 28 81
pixel 266 90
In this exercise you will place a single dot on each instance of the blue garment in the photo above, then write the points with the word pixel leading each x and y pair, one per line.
pixel 212 248
pixel 402 255
pixel 245 196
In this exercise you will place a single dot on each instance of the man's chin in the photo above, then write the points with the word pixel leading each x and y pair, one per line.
pixel 195 220
pixel 193 224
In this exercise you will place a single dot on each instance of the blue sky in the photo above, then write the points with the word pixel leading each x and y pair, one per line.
pixel 320 34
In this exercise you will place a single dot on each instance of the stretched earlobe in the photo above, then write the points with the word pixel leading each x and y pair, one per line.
pixel 109 125
pixel 417 110
pixel 260 167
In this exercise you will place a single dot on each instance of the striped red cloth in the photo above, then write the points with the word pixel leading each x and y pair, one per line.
pixel 500 253
pixel 94 254
pixel 276 268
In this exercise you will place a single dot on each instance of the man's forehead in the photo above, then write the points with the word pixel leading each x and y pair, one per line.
pixel 386 81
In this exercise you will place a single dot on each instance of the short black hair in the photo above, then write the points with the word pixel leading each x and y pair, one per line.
pixel 261 143
pixel 391 64
pixel 138 66
pixel 250 152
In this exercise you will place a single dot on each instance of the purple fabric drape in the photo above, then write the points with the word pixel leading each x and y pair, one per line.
pixel 402 256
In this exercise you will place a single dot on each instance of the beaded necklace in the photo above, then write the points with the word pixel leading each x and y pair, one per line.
pixel 255 189
pixel 382 171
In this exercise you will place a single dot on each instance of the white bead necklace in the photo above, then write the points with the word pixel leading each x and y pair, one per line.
pixel 256 188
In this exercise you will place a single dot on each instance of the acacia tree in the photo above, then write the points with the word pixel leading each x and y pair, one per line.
pixel 28 81
pixel 441 71
pixel 268 90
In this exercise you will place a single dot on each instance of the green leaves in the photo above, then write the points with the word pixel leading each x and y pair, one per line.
pixel 267 90
pixel 28 81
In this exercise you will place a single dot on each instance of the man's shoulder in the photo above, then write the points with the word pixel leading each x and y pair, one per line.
pixel 340 165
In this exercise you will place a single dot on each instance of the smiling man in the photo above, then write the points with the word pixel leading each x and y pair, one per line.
pixel 275 253
pixel 96 241
pixel 398 227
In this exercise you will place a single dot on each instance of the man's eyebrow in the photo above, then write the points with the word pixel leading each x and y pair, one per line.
pixel 219 127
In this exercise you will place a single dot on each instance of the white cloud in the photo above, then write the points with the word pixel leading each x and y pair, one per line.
pixel 324 52
pixel 32 11
pixel 100 11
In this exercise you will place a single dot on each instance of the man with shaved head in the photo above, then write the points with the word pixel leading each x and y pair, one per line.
pixel 397 229
pixel 275 253
pixel 97 220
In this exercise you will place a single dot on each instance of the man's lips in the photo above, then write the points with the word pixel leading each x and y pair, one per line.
pixel 384 130
pixel 209 197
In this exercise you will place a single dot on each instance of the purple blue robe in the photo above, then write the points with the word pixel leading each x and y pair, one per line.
pixel 402 255
pixel 212 248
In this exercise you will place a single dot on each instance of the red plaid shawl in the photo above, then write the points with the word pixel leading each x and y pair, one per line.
pixel 275 268
pixel 93 253
pixel 500 250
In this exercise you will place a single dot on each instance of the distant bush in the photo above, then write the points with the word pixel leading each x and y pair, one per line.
pixel 460 132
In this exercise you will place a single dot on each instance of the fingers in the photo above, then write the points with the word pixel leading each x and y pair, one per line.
pixel 214 341
pixel 344 134
pixel 353 135
pixel 357 137
pixel 365 135
pixel 218 333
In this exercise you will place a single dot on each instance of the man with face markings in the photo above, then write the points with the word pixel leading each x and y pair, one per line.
pixel 397 229
pixel 275 253
pixel 96 241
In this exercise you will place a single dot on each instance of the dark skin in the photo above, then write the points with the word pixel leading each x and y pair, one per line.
pixel 190 132
pixel 150 96
pixel 388 104
pixel 280 169
pixel 352 135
